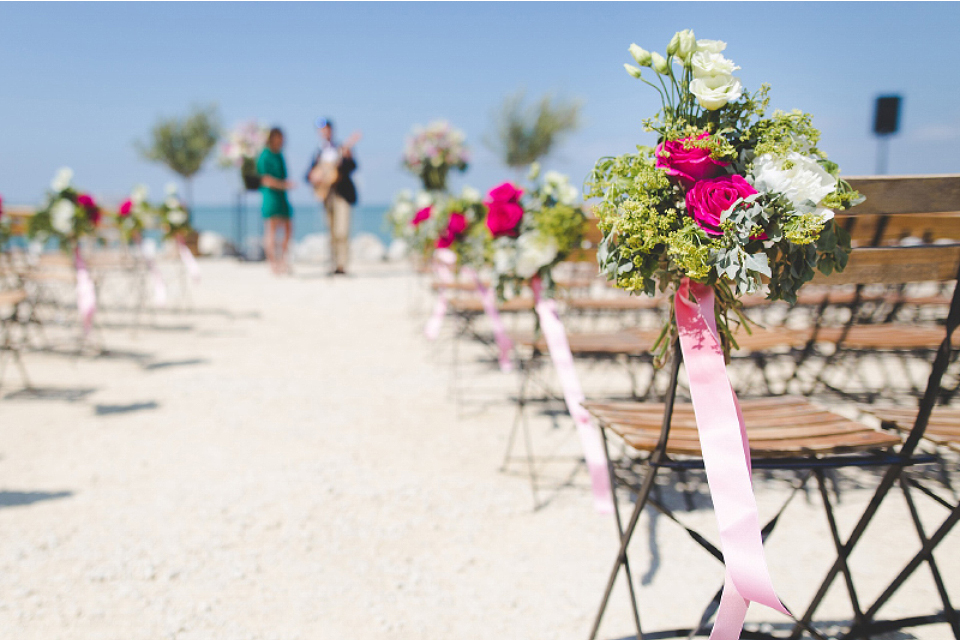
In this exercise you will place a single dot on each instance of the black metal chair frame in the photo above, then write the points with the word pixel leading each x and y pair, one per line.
pixel 896 463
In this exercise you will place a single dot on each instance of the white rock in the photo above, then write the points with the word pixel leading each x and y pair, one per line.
pixel 211 243
pixel 366 247
pixel 314 247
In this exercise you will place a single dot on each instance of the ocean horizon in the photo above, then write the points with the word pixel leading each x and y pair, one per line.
pixel 237 223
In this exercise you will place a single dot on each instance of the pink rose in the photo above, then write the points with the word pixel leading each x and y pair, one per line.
pixel 1 207
pixel 503 209
pixel 86 201
pixel 708 199
pixel 125 208
pixel 689 165
pixel 422 215
pixel 456 226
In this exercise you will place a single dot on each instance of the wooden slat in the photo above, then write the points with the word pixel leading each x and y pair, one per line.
pixel 943 427
pixel 776 427
pixel 15 296
pixel 897 265
pixel 907 194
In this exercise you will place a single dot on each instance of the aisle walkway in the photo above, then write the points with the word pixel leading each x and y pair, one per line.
pixel 286 463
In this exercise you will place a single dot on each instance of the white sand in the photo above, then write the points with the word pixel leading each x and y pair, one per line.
pixel 294 467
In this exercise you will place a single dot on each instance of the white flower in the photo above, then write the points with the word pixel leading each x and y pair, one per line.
pixel 177 217
pixel 534 252
pixel 62 180
pixel 503 257
pixel 470 194
pixel 659 63
pixel 641 55
pixel 559 188
pixel 711 46
pixel 61 216
pixel 423 200
pixel 707 65
pixel 139 194
pixel 713 93
pixel 171 202
pixel 799 178
pixel 171 189
pixel 823 213
pixel 687 43
pixel 403 211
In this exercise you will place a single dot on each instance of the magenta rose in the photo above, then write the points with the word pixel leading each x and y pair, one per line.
pixel 456 226
pixel 688 165
pixel 86 201
pixel 125 208
pixel 708 199
pixel 1 207
pixel 421 216
pixel 503 210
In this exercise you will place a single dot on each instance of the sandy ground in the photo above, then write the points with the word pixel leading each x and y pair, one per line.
pixel 287 461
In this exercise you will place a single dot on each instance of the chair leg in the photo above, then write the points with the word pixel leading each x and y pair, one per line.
pixel 838 545
pixel 616 513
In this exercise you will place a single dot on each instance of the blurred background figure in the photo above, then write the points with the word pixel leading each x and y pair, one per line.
pixel 277 212
pixel 330 176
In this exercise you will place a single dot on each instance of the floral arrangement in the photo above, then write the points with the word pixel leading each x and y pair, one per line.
pixel 4 226
pixel 409 219
pixel 241 150
pixel 67 214
pixel 134 214
pixel 731 196
pixel 174 218
pixel 434 220
pixel 532 232
pixel 432 151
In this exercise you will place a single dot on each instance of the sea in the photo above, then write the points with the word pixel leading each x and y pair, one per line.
pixel 241 221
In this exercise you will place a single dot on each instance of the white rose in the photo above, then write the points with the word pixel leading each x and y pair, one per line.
pixel 804 182
pixel 403 211
pixel 171 189
pixel 823 213
pixel 61 216
pixel 534 252
pixel 711 46
pixel 713 93
pixel 423 200
pixel 706 65
pixel 139 194
pixel 503 259
pixel 62 180
pixel 177 217
pixel 470 194
pixel 172 202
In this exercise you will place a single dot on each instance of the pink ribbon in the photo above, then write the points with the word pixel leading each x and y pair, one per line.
pixel 590 439
pixel 726 458
pixel 489 300
pixel 188 260
pixel 149 250
pixel 86 294
pixel 443 260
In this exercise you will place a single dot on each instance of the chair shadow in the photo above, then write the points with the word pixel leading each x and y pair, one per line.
pixel 113 409
pixel 153 366
pixel 23 498
pixel 67 394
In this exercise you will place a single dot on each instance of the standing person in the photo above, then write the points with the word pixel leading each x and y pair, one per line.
pixel 277 212
pixel 330 175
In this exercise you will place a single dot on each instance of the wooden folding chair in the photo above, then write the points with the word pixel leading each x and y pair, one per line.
pixel 789 433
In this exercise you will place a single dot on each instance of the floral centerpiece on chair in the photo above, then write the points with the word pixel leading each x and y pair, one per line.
pixel 174 217
pixel 241 150
pixel 532 232
pixel 432 151
pixel 68 214
pixel 731 196
pixel 133 215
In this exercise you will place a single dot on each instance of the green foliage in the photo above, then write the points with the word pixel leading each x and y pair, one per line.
pixel 524 134
pixel 183 144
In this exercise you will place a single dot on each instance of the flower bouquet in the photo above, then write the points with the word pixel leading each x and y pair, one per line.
pixel 241 149
pixel 732 197
pixel 432 151
pixel 174 218
pixel 531 233
pixel 70 215
pixel 410 220
pixel 133 215
pixel 67 214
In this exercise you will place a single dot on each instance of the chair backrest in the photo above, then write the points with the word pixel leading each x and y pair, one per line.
pixel 591 239
pixel 897 265
pixel 897 207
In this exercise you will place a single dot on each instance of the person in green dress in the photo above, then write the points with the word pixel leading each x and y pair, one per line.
pixel 277 213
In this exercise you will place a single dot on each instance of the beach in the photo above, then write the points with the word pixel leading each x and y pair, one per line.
pixel 286 460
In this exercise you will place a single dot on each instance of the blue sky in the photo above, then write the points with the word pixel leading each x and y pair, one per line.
pixel 80 82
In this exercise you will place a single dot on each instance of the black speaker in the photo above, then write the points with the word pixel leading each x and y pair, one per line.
pixel 887 118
